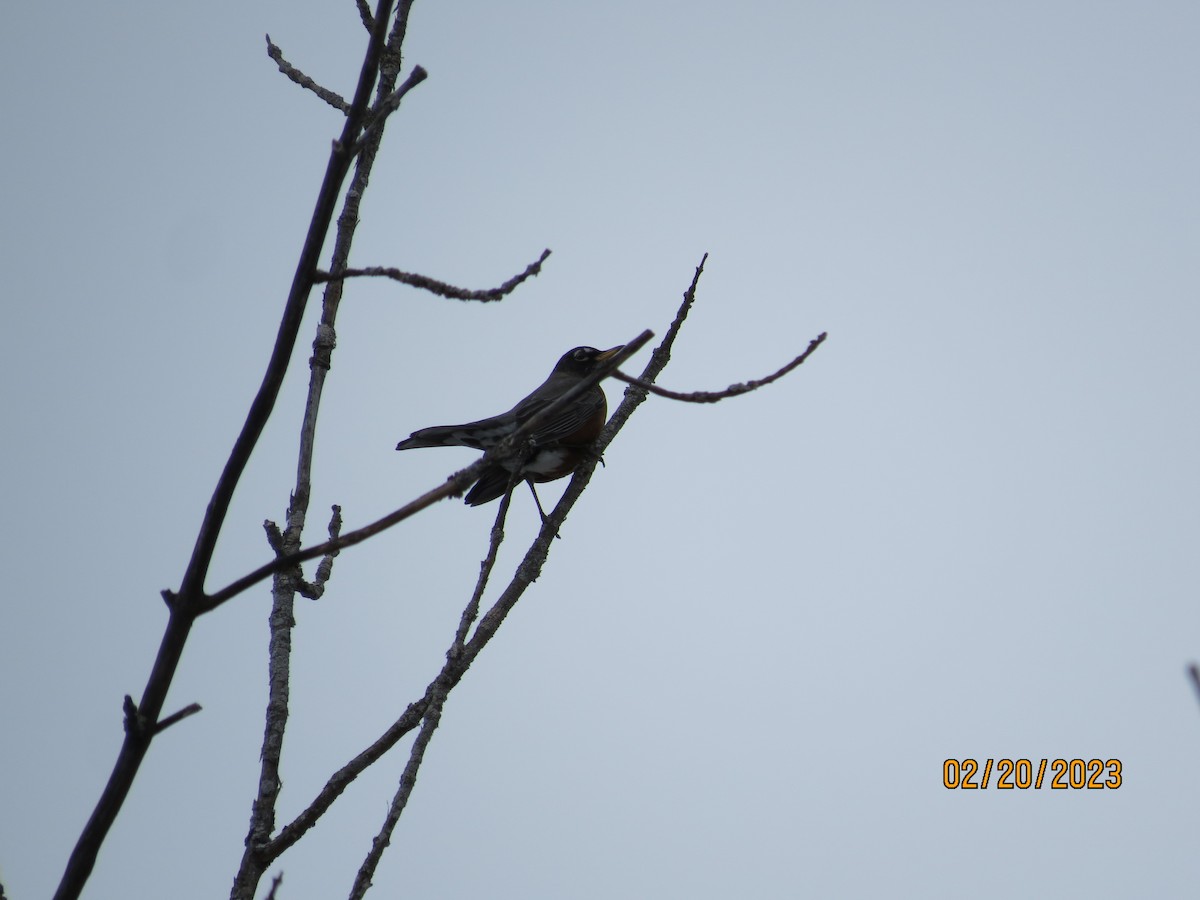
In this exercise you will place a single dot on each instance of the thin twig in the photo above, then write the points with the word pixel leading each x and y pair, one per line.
pixel 733 390
pixel 471 611
pixel 333 99
pixel 190 710
pixel 408 780
pixel 441 288
pixel 1194 672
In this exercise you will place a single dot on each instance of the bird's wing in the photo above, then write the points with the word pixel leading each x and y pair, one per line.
pixel 565 421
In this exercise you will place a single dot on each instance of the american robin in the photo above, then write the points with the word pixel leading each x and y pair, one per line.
pixel 557 445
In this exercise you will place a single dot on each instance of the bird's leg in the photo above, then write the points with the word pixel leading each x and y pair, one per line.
pixel 538 501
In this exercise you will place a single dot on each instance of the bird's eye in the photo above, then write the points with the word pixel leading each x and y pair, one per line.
pixel 583 353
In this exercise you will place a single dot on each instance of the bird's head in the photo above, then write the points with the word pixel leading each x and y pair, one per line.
pixel 584 360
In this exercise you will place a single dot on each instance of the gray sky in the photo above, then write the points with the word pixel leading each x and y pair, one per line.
pixel 966 528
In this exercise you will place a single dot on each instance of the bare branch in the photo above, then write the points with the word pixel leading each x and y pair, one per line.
pixel 1194 673
pixel 137 724
pixel 190 710
pixel 408 780
pixel 343 777
pixel 314 589
pixel 453 486
pixel 275 883
pixel 485 570
pixel 733 390
pixel 364 12
pixel 333 99
pixel 380 112
pixel 441 288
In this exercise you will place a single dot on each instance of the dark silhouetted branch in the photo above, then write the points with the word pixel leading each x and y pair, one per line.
pixel 190 710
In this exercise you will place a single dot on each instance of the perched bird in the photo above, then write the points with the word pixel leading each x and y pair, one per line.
pixel 557 445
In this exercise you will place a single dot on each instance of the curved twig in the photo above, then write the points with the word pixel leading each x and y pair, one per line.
pixel 333 99
pixel 441 288
pixel 733 390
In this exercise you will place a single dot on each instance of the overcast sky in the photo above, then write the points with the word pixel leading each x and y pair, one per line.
pixel 967 527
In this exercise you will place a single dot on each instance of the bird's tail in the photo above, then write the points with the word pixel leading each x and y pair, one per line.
pixel 491 484
pixel 437 436
pixel 469 435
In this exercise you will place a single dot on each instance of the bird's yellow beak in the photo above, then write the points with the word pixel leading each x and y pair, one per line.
pixel 609 354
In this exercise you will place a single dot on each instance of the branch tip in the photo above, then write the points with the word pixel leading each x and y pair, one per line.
pixel 190 710
pixel 1194 672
